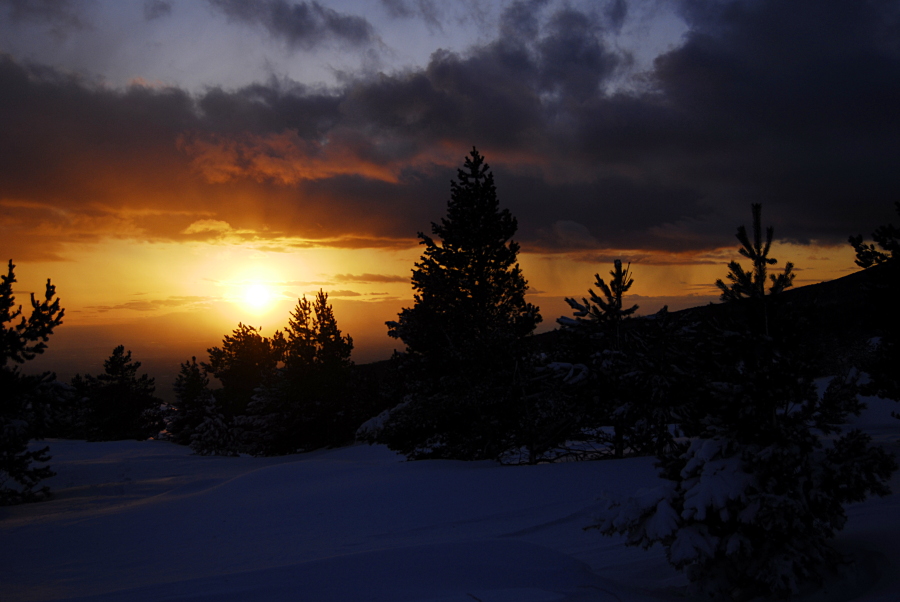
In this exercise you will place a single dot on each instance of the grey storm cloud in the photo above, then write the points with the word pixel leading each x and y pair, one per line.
pixel 154 9
pixel 616 11
pixel 302 24
pixel 61 14
pixel 427 10
pixel 789 104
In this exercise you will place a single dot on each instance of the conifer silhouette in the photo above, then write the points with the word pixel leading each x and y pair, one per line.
pixel 887 237
pixel 463 334
pixel 21 339
pixel 752 283
pixel 609 310
pixel 469 289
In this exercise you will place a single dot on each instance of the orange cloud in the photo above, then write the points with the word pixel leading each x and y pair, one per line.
pixel 154 304
pixel 370 278
pixel 284 158
pixel 215 226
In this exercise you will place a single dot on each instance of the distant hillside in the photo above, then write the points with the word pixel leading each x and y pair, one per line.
pixel 840 316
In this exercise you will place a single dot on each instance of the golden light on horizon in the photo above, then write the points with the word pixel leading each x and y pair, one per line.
pixel 182 298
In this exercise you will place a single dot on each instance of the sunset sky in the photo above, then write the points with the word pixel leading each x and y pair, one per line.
pixel 160 158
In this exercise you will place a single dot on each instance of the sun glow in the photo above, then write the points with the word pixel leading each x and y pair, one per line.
pixel 258 297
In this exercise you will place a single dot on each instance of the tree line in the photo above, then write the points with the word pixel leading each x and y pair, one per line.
pixel 753 452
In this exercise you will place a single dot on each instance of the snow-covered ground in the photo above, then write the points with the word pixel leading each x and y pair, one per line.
pixel 149 521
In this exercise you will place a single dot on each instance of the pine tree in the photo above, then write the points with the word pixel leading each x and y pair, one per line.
pixel 600 320
pixel 191 400
pixel 752 283
pixel 883 364
pixel 213 436
pixel 120 404
pixel 464 331
pixel 635 377
pixel 470 306
pixel 313 339
pixel 21 339
pixel 243 363
pixel 308 403
pixel 599 311
pixel 887 237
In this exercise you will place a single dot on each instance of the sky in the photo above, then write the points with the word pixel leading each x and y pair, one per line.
pixel 177 167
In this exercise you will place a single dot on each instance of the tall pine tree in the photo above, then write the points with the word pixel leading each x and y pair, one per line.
pixel 463 333
pixel 469 290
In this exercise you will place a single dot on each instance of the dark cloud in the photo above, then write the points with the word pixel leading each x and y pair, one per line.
pixel 574 59
pixel 426 10
pixel 789 104
pixel 520 21
pixel 60 14
pixel 615 13
pixel 302 24
pixel 155 9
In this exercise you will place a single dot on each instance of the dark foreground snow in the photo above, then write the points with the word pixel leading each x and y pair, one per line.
pixel 149 521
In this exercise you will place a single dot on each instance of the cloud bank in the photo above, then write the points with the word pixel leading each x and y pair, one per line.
pixel 788 104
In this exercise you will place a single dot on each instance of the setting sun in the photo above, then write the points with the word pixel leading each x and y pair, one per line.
pixel 258 297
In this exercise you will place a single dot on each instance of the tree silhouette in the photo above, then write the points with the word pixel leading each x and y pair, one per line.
pixel 313 339
pixel 469 290
pixel 21 339
pixel 242 363
pixel 752 283
pixel 308 403
pixel 120 404
pixel 882 365
pixel 633 378
pixel 609 310
pixel 464 331
pixel 191 402
pixel 887 237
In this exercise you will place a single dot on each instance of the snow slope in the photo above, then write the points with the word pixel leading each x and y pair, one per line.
pixel 149 521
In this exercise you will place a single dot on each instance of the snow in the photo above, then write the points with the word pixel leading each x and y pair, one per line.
pixel 150 521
